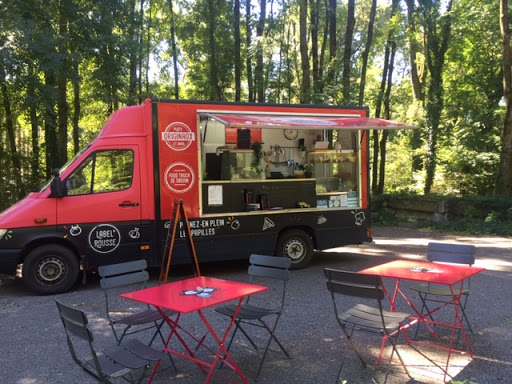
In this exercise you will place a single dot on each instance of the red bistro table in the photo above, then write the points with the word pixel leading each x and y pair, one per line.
pixel 427 272
pixel 194 295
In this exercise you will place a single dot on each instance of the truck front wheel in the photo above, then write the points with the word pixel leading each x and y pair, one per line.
pixel 296 245
pixel 50 269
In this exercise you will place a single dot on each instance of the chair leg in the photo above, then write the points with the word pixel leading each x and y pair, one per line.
pixel 348 336
pixel 159 332
pixel 272 336
pixel 463 308
pixel 349 339
pixel 394 349
pixel 237 326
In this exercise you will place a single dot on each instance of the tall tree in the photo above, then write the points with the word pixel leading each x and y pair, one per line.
pixel 62 80
pixel 304 57
pixel 248 60
pixel 238 63
pixel 215 92
pixel 383 97
pixel 504 182
pixel 437 34
pixel 347 52
pixel 10 125
pixel 416 80
pixel 258 73
pixel 174 52
pixel 331 17
pixel 366 52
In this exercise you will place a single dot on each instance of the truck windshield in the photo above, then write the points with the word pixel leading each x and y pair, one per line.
pixel 64 167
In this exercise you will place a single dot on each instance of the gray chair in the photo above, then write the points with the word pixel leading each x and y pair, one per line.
pixel 128 360
pixel 361 317
pixel 129 274
pixel 262 269
pixel 446 253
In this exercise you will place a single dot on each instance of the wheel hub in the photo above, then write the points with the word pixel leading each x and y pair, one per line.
pixel 295 250
pixel 51 270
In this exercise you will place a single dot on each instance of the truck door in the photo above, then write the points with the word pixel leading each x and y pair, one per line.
pixel 101 213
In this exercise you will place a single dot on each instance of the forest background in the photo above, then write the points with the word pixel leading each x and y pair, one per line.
pixel 441 65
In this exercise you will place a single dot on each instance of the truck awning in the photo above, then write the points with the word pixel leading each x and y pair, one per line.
pixel 238 120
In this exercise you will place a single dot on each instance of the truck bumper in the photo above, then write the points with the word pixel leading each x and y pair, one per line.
pixel 9 259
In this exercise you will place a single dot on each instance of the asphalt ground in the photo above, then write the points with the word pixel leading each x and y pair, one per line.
pixel 33 347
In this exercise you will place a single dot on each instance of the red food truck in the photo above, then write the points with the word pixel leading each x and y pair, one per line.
pixel 281 180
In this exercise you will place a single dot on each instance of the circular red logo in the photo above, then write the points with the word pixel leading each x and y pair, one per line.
pixel 178 136
pixel 179 177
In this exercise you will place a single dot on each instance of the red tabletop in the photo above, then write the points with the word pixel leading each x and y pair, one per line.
pixel 182 296
pixel 424 271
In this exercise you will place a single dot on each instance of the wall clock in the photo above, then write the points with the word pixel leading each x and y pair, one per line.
pixel 291 134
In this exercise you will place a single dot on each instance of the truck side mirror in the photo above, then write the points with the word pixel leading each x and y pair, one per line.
pixel 57 187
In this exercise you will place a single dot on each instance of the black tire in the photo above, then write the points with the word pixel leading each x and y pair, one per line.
pixel 50 269
pixel 297 245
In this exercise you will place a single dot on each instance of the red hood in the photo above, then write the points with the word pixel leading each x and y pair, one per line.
pixel 26 211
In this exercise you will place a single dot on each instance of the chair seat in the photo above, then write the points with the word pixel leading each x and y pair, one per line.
pixel 143 317
pixel 108 366
pixel 435 289
pixel 247 311
pixel 368 318
pixel 140 349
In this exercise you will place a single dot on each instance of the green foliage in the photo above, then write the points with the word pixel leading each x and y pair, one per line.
pixel 117 52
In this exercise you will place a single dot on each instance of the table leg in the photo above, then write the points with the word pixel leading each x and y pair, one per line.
pixel 222 348
pixel 458 323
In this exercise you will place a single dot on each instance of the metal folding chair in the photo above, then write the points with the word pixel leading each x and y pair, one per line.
pixel 117 361
pixel 132 273
pixel 362 317
pixel 446 253
pixel 264 268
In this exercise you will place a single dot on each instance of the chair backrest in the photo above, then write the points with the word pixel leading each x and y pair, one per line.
pixel 74 321
pixel 354 284
pixel 451 253
pixel 269 267
pixel 272 267
pixel 118 275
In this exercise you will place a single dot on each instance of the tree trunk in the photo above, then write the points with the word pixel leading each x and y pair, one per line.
pixel 331 16
pixel 174 54
pixel 437 44
pixel 417 88
pixel 304 59
pixel 380 98
pixel 215 91
pixel 141 53
pixel 417 82
pixel 34 129
pixel 9 123
pixel 76 111
pixel 132 55
pixel 238 65
pixel 366 52
pixel 250 83
pixel 62 79
pixel 347 54
pixel 504 181
pixel 387 115
pixel 314 17
pixel 258 75
pixel 50 125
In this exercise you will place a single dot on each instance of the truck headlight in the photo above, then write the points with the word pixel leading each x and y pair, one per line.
pixel 2 233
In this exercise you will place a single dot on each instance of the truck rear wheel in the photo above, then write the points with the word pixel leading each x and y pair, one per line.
pixel 50 269
pixel 297 245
